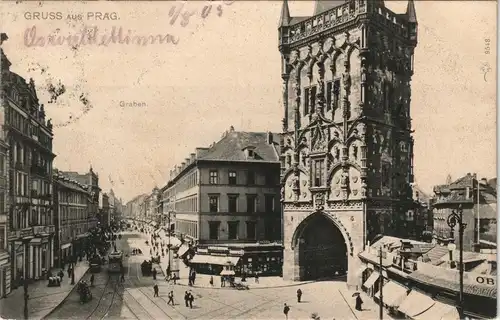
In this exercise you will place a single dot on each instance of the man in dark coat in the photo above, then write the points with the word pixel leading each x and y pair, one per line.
pixel 299 295
pixel 186 298
pixel 155 288
pixel 359 303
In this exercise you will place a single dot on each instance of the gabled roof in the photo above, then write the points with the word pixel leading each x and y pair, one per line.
pixel 230 147
pixel 463 182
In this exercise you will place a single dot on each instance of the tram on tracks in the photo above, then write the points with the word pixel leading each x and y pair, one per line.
pixel 115 262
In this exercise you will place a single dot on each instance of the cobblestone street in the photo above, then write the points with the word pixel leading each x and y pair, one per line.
pixel 134 299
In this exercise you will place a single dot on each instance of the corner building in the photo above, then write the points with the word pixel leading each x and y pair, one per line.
pixel 346 148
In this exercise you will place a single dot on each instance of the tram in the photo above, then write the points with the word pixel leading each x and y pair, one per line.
pixel 115 262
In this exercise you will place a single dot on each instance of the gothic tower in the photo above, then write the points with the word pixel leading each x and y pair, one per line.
pixel 346 148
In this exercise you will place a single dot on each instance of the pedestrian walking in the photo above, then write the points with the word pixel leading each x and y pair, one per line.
pixel 92 280
pixel 169 271
pixel 154 273
pixel 359 303
pixel 155 288
pixel 191 299
pixel 299 295
pixel 122 279
pixel 61 274
pixel 222 284
pixel 256 277
pixel 286 309
pixel 212 281
pixel 194 276
pixel 175 278
pixel 186 298
pixel 171 298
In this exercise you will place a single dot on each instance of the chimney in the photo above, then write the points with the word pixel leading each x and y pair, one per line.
pixel 269 138
pixel 193 157
pixel 187 160
pixel 231 129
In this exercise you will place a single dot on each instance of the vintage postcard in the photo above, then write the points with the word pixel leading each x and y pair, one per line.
pixel 248 159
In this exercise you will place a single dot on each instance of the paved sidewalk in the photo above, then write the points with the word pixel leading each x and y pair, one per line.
pixel 42 299
pixel 370 307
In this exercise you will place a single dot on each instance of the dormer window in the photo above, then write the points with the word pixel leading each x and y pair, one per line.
pixel 249 152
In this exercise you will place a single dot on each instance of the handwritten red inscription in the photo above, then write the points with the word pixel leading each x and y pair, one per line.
pixel 92 36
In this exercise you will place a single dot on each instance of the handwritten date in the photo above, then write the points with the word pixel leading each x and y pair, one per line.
pixel 179 11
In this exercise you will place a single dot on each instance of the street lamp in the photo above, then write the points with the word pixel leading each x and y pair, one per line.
pixel 26 298
pixel 456 217
pixel 382 255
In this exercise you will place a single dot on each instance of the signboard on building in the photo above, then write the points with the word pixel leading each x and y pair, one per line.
pixel 484 280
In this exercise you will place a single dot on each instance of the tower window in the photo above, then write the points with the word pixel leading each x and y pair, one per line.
pixel 313 98
pixel 318 173
pixel 306 101
pixel 328 96
pixel 336 93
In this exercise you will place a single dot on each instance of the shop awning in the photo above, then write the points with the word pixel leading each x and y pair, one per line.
pixel 227 273
pixel 394 294
pixel 65 246
pixel 217 260
pixel 371 280
pixel 182 250
pixel 439 311
pixel 415 304
pixel 361 270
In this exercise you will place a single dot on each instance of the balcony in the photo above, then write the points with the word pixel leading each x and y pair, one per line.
pixel 38 170
pixel 20 166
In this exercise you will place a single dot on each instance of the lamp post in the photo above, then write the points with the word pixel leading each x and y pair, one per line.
pixel 26 298
pixel 456 217
pixel 381 255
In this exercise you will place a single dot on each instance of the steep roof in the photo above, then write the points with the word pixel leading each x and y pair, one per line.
pixel 230 147
pixel 321 6
pixel 463 182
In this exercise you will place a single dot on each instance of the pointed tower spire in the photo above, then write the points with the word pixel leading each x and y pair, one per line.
pixel 285 14
pixel 410 12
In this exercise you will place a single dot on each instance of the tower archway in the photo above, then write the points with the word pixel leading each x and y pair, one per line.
pixel 320 248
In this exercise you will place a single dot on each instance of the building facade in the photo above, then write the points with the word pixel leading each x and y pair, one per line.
pixel 4 210
pixel 29 135
pixel 73 204
pixel 105 218
pixel 134 207
pixel 346 149
pixel 479 203
pixel 91 181
pixel 227 193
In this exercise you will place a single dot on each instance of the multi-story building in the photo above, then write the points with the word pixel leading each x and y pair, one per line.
pixel 478 199
pixel 105 217
pixel 72 206
pixel 134 207
pixel 228 195
pixel 4 191
pixel 91 181
pixel 346 148
pixel 29 135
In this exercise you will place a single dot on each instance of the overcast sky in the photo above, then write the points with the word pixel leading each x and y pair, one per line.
pixel 226 71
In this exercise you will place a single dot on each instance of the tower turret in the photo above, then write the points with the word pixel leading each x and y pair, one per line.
pixel 412 21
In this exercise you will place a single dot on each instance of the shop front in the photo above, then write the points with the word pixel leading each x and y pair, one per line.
pixel 4 274
pixel 248 259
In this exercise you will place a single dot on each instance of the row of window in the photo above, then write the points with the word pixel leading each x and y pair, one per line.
pixel 24 155
pixel 69 233
pixel 72 197
pixel 232 229
pixel 189 228
pixel 187 205
pixel 72 213
pixel 25 126
pixel 235 178
pixel 37 217
pixel 332 97
pixel 41 187
pixel 252 204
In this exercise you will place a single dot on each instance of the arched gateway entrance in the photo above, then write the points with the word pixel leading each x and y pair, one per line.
pixel 320 248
